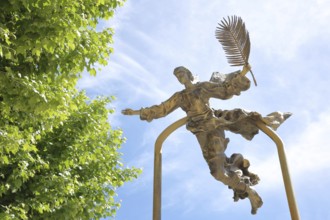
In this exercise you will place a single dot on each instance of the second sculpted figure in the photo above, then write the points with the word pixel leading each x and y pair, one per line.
pixel 209 126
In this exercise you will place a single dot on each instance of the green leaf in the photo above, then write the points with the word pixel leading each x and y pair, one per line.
pixel 59 154
pixel 92 72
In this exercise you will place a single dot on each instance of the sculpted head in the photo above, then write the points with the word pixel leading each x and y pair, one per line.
pixel 183 74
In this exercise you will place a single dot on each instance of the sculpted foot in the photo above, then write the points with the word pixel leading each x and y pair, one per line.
pixel 255 200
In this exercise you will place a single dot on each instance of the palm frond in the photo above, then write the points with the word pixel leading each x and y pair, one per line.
pixel 235 41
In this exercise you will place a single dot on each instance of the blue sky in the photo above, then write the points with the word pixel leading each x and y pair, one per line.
pixel 290 50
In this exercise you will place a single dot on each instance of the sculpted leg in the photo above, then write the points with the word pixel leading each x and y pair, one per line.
pixel 227 170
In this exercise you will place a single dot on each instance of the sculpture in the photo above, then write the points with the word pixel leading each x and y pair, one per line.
pixel 209 125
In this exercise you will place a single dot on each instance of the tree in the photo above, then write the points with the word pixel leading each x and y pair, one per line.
pixel 59 155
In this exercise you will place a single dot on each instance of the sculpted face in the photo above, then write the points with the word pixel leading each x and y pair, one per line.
pixel 183 75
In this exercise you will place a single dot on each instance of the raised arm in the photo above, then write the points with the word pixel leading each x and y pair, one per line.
pixel 224 86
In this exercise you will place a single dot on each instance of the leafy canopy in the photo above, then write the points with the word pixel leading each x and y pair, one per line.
pixel 59 155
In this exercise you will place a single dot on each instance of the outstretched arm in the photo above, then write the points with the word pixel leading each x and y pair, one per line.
pixel 129 111
pixel 155 111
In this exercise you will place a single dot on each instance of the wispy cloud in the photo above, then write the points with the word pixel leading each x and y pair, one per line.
pixel 309 151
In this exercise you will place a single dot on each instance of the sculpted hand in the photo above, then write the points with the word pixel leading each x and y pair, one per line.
pixel 246 68
pixel 129 111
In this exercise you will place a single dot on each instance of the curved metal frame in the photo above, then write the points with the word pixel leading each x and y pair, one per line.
pixel 284 167
pixel 157 194
pixel 157 197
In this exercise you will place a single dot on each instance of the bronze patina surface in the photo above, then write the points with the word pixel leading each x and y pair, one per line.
pixel 209 126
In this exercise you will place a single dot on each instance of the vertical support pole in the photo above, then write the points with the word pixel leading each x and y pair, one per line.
pixel 157 194
pixel 284 167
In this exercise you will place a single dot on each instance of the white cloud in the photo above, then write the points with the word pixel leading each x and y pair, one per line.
pixel 309 151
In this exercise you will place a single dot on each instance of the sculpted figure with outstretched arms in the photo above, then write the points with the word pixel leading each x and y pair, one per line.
pixel 209 125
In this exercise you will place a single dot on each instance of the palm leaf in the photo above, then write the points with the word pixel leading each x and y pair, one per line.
pixel 235 41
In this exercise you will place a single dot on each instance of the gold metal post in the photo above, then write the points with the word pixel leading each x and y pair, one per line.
pixel 261 125
pixel 157 200
pixel 284 167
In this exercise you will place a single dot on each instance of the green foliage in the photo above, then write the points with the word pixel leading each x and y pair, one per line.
pixel 59 155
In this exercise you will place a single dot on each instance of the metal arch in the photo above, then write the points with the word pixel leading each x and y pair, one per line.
pixel 284 167
pixel 157 194
pixel 261 125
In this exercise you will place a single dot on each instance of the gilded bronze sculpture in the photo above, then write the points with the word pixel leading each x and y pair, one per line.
pixel 209 125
